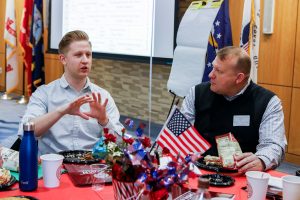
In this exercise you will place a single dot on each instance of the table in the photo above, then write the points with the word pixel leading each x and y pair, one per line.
pixel 240 181
pixel 68 191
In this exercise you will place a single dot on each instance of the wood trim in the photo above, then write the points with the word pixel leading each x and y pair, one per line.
pixel 292 158
pixel 294 136
pixel 277 51
pixel 296 79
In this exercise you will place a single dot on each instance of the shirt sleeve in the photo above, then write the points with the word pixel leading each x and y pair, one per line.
pixel 113 116
pixel 37 106
pixel 272 139
pixel 188 106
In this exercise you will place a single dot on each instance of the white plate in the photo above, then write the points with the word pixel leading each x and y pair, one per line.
pixel 275 182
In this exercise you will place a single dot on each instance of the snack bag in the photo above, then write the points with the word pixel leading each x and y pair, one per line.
pixel 227 147
pixel 9 159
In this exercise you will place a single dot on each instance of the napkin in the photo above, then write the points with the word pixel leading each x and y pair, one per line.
pixel 275 182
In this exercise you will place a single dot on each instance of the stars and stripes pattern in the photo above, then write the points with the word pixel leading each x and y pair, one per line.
pixel 180 137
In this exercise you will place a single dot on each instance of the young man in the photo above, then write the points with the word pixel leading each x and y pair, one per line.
pixel 69 113
pixel 233 103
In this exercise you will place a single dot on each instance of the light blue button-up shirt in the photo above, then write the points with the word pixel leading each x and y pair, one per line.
pixel 70 132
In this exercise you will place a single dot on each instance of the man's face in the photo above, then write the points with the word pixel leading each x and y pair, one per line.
pixel 223 77
pixel 78 59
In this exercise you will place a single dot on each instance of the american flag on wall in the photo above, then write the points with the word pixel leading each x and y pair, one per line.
pixel 180 137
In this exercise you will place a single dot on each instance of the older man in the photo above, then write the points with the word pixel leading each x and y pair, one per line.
pixel 231 102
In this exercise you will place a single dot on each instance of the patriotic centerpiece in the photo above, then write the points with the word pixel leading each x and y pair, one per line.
pixel 134 171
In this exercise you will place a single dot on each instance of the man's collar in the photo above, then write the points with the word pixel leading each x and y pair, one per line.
pixel 239 93
pixel 87 84
pixel 64 83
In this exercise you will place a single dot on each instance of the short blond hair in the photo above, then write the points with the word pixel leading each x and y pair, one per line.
pixel 70 37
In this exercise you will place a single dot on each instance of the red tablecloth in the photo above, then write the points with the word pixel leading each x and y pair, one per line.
pixel 240 181
pixel 68 191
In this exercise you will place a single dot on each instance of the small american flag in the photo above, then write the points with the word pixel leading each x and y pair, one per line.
pixel 180 137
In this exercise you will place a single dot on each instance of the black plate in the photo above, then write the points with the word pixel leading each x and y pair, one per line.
pixel 219 180
pixel 27 197
pixel 10 183
pixel 201 164
pixel 78 157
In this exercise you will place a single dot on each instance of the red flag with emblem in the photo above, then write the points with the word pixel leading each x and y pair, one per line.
pixel 25 40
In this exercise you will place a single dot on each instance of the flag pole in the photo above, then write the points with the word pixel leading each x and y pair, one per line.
pixel 23 99
pixel 174 97
pixel 5 96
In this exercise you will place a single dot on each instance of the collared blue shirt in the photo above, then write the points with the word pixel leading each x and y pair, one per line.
pixel 71 132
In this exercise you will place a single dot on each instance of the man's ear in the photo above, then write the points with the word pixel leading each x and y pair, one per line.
pixel 240 77
pixel 62 59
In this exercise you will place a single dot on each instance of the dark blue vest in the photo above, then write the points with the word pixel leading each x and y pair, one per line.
pixel 214 115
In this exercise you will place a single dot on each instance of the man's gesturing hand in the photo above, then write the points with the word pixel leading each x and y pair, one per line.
pixel 73 108
pixel 97 109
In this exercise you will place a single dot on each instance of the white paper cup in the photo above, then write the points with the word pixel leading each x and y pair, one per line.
pixel 291 187
pixel 51 165
pixel 257 185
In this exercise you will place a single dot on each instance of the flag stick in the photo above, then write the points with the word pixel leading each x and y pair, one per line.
pixel 23 99
pixel 177 102
pixel 5 96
